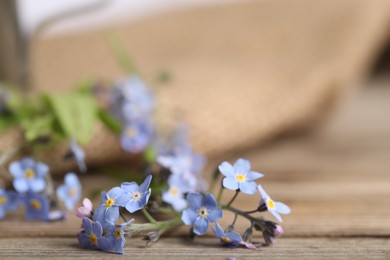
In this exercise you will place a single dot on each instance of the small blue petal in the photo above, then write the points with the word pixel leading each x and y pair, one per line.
pixel 282 208
pixel 97 229
pixel 242 166
pixel 42 169
pixel 209 201
pixel 189 216
pixel 20 185
pixel 104 244
pixel 195 200
pixel 251 176
pixel 247 187
pixel 200 226
pixel 230 183
pixel 129 187
pixel 84 240
pixel 16 169
pixel 37 185
pixel 214 215
pixel 133 206
pixel 87 225
pixel 145 185
pixel 226 169
pixel 275 214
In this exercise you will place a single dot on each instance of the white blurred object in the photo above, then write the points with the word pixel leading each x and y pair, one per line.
pixel 33 12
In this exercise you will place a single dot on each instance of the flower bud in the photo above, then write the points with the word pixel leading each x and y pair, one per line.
pixel 151 237
pixel 247 236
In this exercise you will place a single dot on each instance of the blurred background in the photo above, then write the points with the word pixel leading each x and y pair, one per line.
pixel 300 87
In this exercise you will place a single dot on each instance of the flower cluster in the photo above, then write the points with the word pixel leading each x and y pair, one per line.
pixel 205 209
pixel 33 189
pixel 99 227
pixel 132 103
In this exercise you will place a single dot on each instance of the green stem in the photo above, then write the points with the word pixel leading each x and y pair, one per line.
pixel 214 179
pixel 161 226
pixel 122 215
pixel 220 194
pixel 148 216
pixel 234 197
pixel 242 213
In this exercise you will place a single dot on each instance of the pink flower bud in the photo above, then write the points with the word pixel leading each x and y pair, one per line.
pixel 85 210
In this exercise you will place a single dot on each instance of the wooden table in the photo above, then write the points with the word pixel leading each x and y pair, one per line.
pixel 336 179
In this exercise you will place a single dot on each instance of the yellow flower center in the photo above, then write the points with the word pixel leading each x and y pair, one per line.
pixel 118 233
pixel 240 177
pixel 93 239
pixel 131 132
pixel 203 212
pixel 174 191
pixel 35 204
pixel 3 200
pixel 226 240
pixel 136 196
pixel 270 203
pixel 29 173
pixel 110 202
pixel 72 192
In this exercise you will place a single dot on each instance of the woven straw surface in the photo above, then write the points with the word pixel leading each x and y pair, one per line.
pixel 241 73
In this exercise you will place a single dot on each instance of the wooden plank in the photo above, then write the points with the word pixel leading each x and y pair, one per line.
pixel 209 248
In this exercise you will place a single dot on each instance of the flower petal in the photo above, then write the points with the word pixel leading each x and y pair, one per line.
pixel 87 225
pixel 200 226
pixel 214 215
pixel 242 166
pixel 251 176
pixel 262 192
pixel 275 214
pixel 84 240
pixel 195 200
pixel 37 185
pixel 145 185
pixel 97 229
pixel 230 183
pixel 42 169
pixel 282 208
pixel 209 201
pixel 248 187
pixel 133 206
pixel 189 216
pixel 71 179
pixel 226 169
pixel 87 203
pixel 104 244
pixel 16 169
pixel 20 185
pixel 129 187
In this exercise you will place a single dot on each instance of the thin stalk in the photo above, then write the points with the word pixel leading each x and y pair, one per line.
pixel 148 216
pixel 220 194
pixel 161 226
pixel 234 197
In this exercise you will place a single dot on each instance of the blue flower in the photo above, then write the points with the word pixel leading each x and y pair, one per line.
pixel 136 136
pixel 175 195
pixel 108 210
pixel 187 165
pixel 275 208
pixel 230 238
pixel 70 191
pixel 92 236
pixel 79 155
pixel 116 236
pixel 28 175
pixel 9 200
pixel 37 207
pixel 239 177
pixel 139 196
pixel 131 100
pixel 202 211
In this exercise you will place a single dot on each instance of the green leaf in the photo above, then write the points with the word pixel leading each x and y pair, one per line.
pixel 76 114
pixel 110 122
pixel 39 126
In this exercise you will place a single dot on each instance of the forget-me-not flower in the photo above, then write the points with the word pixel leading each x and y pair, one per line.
pixel 175 195
pixel 230 238
pixel 37 206
pixel 136 136
pixel 79 155
pixel 70 191
pixel 275 208
pixel 116 236
pixel 28 175
pixel 108 210
pixel 92 236
pixel 201 212
pixel 138 195
pixel 239 177
pixel 9 200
